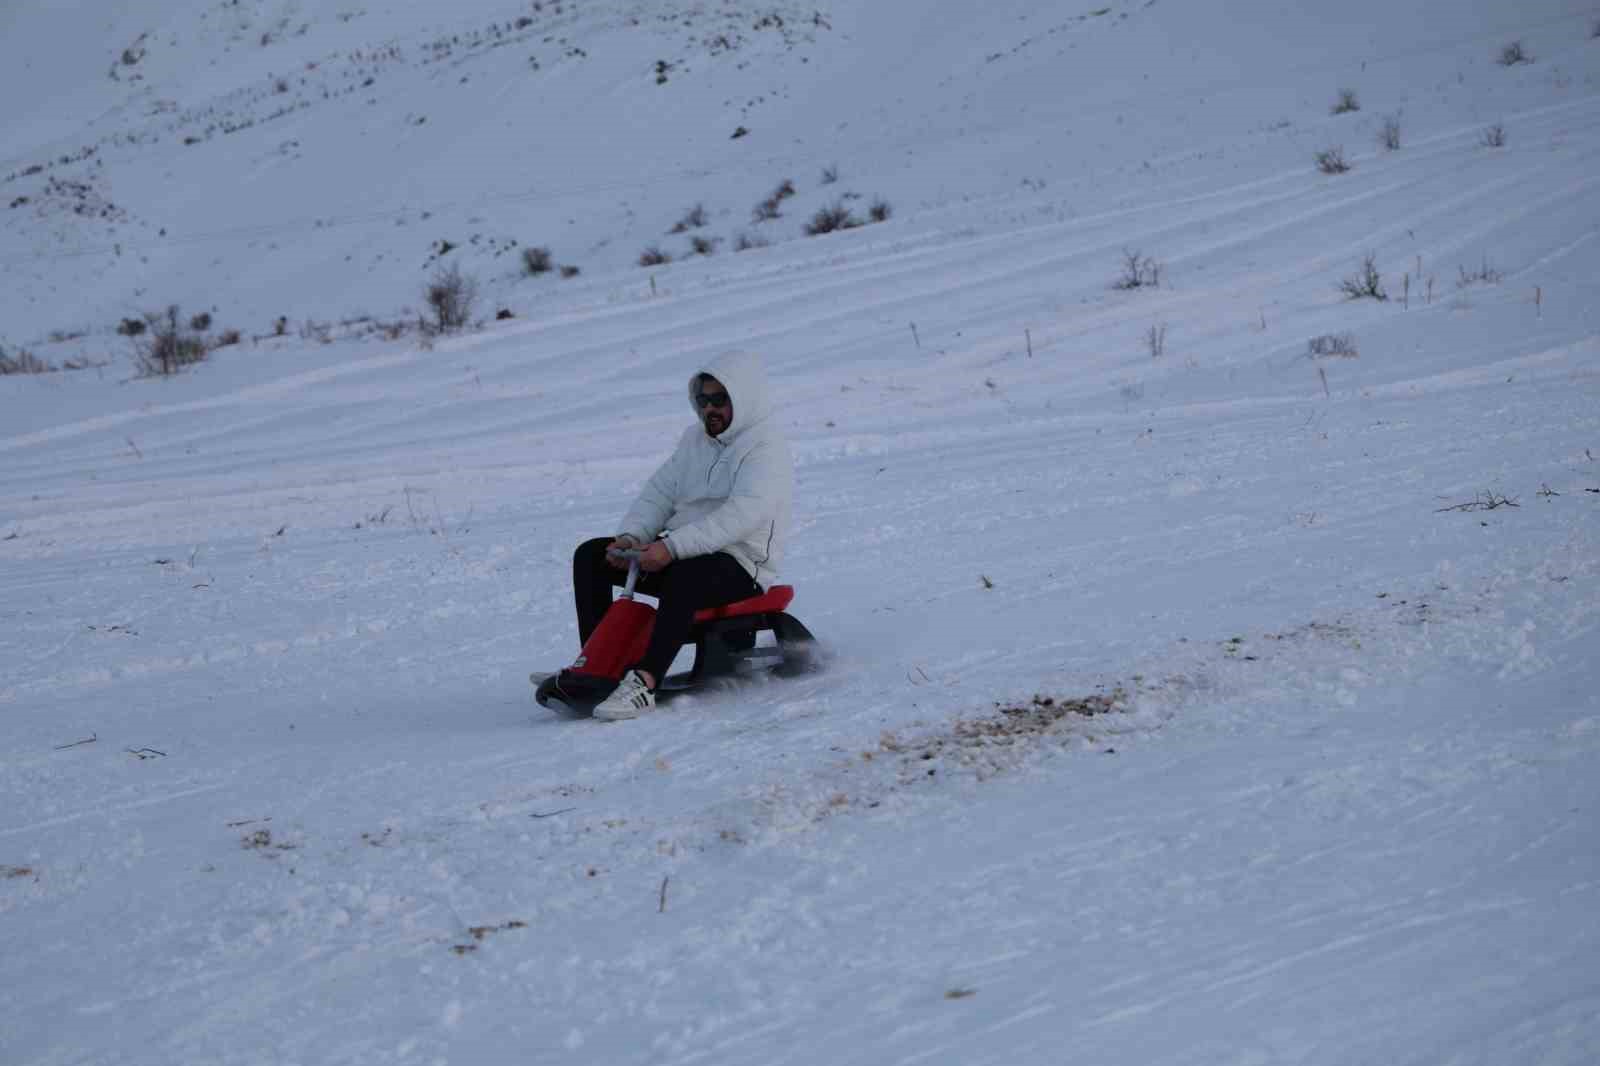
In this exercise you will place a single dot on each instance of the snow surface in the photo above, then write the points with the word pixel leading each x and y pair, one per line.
pixel 1316 781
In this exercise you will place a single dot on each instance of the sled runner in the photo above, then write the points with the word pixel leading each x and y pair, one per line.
pixel 751 636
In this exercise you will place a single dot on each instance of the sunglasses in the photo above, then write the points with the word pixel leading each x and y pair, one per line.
pixel 710 399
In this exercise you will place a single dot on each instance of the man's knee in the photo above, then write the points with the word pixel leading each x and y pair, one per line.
pixel 591 550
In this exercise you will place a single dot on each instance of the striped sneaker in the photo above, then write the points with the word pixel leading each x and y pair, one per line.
pixel 631 698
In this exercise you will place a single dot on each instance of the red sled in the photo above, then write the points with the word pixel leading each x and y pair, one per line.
pixel 728 641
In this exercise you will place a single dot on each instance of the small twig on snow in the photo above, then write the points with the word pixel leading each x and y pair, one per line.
pixel 1486 501
pixel 662 908
pixel 90 739
pixel 552 814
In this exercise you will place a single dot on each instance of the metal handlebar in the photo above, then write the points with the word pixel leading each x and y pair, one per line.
pixel 632 555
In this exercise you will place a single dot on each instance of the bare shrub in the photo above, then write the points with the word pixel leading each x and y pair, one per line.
pixel 1332 161
pixel 22 362
pixel 1138 271
pixel 1155 340
pixel 1346 103
pixel 745 241
pixel 880 210
pixel 1483 275
pixel 570 271
pixel 167 346
pixel 653 256
pixel 1514 53
pixel 767 210
pixel 1365 284
pixel 772 207
pixel 694 218
pixel 835 216
pixel 830 174
pixel 451 294
pixel 1340 344
pixel 201 322
pixel 1493 137
pixel 1389 136
pixel 322 332
pixel 226 339
pixel 704 245
pixel 131 327
pixel 536 261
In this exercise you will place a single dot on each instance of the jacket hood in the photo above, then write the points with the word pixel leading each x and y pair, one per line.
pixel 743 375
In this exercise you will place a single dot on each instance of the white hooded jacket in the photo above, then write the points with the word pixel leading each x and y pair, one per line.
pixel 729 493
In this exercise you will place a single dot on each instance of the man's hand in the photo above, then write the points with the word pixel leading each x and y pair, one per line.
pixel 656 557
pixel 622 543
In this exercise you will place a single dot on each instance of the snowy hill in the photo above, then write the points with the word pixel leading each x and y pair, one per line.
pixel 1213 671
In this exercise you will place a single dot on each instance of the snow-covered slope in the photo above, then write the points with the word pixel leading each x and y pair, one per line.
pixel 1193 698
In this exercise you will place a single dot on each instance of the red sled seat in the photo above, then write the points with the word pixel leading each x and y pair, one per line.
pixel 777 598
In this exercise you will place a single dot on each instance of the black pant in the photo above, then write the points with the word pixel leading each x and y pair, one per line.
pixel 684 587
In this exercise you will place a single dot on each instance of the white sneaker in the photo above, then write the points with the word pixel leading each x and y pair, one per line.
pixel 631 698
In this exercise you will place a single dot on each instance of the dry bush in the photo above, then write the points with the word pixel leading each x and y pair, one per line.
pixel 536 261
pixel 704 245
pixel 836 216
pixel 694 218
pixel 1155 339
pixel 569 271
pixel 830 174
pixel 393 331
pixel 772 206
pixel 1340 344
pixel 880 210
pixel 451 294
pixel 1493 137
pixel 1365 284
pixel 653 256
pixel 167 345
pixel 1346 103
pixel 1389 136
pixel 322 332
pixel 1138 271
pixel 1483 275
pixel 131 327
pixel 745 241
pixel 201 322
pixel 1514 53
pixel 1332 161
pixel 22 361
